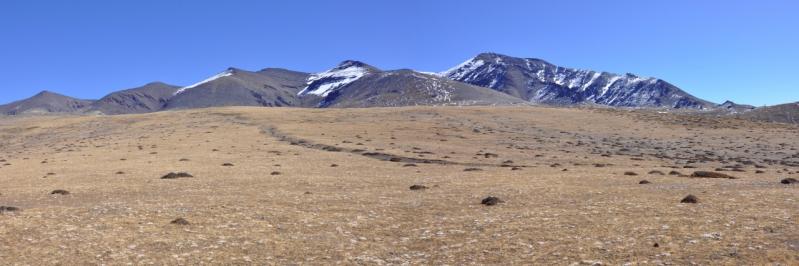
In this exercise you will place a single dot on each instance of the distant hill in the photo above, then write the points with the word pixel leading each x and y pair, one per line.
pixel 236 87
pixel 45 102
pixel 148 98
pixel 783 113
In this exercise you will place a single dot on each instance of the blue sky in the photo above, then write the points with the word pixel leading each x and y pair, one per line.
pixel 746 51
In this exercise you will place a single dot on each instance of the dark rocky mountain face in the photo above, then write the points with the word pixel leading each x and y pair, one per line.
pixel 732 107
pixel 322 84
pixel 355 84
pixel 235 87
pixel 148 98
pixel 45 102
pixel 538 81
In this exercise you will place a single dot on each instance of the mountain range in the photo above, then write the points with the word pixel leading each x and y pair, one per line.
pixel 486 79
pixel 538 81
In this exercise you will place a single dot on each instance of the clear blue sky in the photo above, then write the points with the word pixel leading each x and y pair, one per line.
pixel 746 51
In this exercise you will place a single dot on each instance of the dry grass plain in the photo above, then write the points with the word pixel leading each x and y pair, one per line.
pixel 298 188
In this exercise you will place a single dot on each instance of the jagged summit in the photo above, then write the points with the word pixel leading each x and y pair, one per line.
pixel 538 81
pixel 354 63
pixel 489 56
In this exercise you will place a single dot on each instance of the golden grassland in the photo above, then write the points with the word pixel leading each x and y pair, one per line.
pixel 311 186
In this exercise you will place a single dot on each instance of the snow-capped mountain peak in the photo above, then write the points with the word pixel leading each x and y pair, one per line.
pixel 228 72
pixel 539 81
pixel 322 84
pixel 483 65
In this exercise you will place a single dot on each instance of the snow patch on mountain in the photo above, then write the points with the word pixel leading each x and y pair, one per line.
pixel 463 69
pixel 434 87
pixel 590 82
pixel 610 83
pixel 226 73
pixel 326 82
pixel 436 74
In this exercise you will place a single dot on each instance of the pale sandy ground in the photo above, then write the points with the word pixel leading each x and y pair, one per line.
pixel 559 209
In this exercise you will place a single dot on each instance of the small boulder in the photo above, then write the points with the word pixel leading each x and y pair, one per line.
pixel 491 201
pixel 789 181
pixel 644 182
pixel 174 175
pixel 180 221
pixel 9 209
pixel 59 192
pixel 418 187
pixel 708 174
pixel 690 199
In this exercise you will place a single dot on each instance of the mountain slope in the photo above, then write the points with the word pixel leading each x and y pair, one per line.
pixel 45 102
pixel 783 113
pixel 355 84
pixel 236 87
pixel 148 98
pixel 538 81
